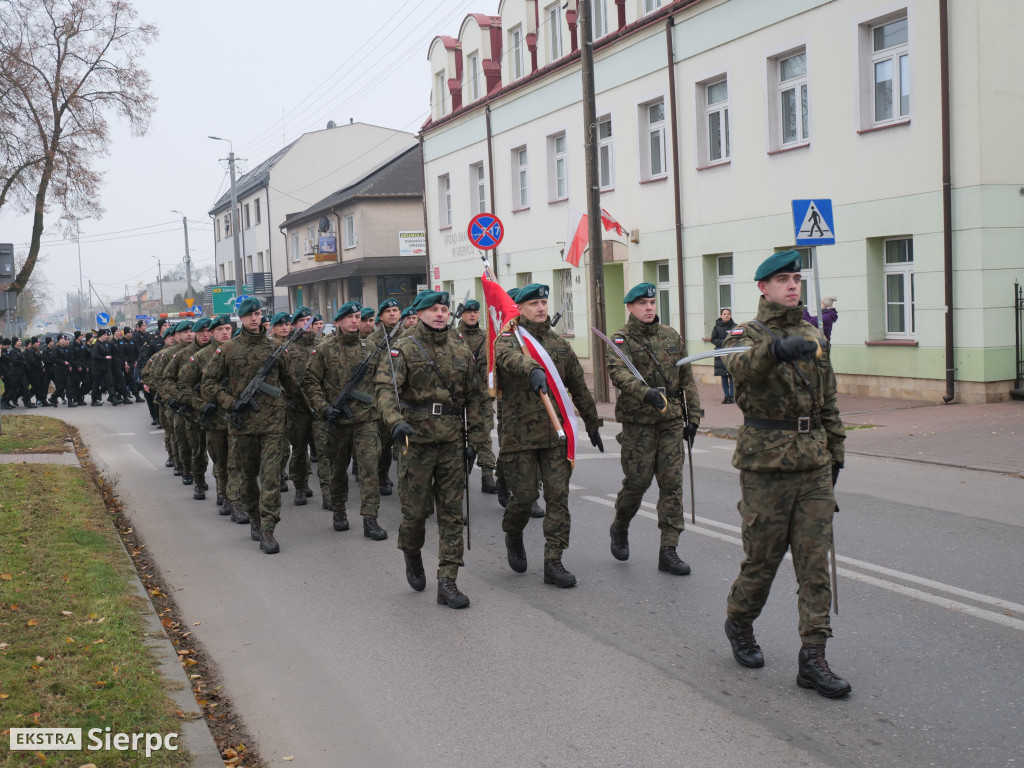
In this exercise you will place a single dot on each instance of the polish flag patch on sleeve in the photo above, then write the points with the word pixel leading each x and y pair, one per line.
pixel 619 340
pixel 394 353
pixel 736 331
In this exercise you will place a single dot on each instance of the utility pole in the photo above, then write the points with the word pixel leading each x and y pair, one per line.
pixel 593 201
pixel 160 279
pixel 188 258
pixel 239 275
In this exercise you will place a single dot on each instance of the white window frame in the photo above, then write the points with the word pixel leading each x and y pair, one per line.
pixel 256 210
pixel 558 167
pixel 724 274
pixel 296 251
pixel 897 269
pixel 311 237
pixel 650 6
pixel 653 147
pixel 245 213
pixel 797 89
pixel 444 199
pixel 663 276
pixel 441 88
pixel 227 224
pixel 598 19
pixel 605 154
pixel 520 178
pixel 349 229
pixel 715 137
pixel 478 188
pixel 563 283
pixel 472 75
pixel 898 58
pixel 216 226
pixel 259 266
pixel 553 33
pixel 517 62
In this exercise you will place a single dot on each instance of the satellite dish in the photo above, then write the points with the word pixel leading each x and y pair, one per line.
pixel 325 225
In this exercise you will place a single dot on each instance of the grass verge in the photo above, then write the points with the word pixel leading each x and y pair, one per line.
pixel 25 433
pixel 71 638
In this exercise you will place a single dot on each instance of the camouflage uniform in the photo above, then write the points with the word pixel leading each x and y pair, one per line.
pixel 151 375
pixel 529 445
pixel 433 471
pixel 785 474
pixel 476 339
pixel 216 431
pixel 194 437
pixel 652 442
pixel 260 442
pixel 299 421
pixel 386 441
pixel 167 385
pixel 330 367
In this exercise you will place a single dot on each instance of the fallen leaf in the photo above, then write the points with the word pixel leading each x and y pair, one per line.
pixel 101 682
pixel 69 639
pixel 40 659
pixel 5 695
pixel 31 623
pixel 67 613
pixel 196 623
pixel 101 640
pixel 6 576
pixel 290 757
pixel 166 621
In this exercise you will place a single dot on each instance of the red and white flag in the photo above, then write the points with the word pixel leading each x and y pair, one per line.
pixel 557 391
pixel 611 224
pixel 576 237
pixel 500 309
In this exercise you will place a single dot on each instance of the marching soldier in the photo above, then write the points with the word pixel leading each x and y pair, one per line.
pixel 388 314
pixel 434 389
pixel 408 318
pixel 789 453
pixel 299 422
pixel 529 443
pixel 36 372
pixel 119 367
pixel 17 374
pixel 150 375
pixel 280 327
pixel 62 366
pixel 259 438
pixel 657 415
pixel 366 321
pixel 475 338
pixel 178 417
pixel 183 386
pixel 331 365
pixel 102 357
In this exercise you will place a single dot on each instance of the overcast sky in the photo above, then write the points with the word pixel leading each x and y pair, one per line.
pixel 259 73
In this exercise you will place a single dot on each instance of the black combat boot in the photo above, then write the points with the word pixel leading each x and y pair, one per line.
pixel 179 470
pixel 384 486
pixel 620 542
pixel 340 520
pixel 668 560
pixel 815 673
pixel 225 508
pixel 268 543
pixel 414 570
pixel 744 647
pixel 284 485
pixel 186 478
pixel 488 484
pixel 516 553
pixel 504 493
pixel 94 402
pixel 555 573
pixel 199 494
pixel 71 404
pixel 169 463
pixel 536 510
pixel 448 594
pixel 325 503
pixel 300 497
pixel 307 489
pixel 240 516
pixel 372 530
pixel 255 528
pixel 220 499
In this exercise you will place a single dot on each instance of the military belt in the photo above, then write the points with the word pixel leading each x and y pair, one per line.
pixel 436 409
pixel 801 424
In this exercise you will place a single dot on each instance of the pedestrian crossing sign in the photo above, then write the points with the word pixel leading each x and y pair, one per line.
pixel 812 220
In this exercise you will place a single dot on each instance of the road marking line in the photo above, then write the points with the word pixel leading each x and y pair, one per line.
pixel 123 434
pixel 916 594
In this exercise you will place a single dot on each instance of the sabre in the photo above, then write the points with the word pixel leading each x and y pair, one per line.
pixel 394 379
pixel 629 365
pixel 723 352
pixel 559 313
pixel 555 423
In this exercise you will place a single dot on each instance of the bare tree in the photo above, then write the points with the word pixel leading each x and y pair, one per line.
pixel 65 65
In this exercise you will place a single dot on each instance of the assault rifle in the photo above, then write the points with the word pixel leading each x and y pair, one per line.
pixel 340 405
pixel 258 384
pixel 459 310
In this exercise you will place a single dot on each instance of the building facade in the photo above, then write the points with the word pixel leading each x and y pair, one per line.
pixel 713 116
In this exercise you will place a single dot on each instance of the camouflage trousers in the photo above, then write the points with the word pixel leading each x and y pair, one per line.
pixel 523 471
pixel 349 440
pixel 165 423
pixel 780 511
pixel 649 451
pixel 198 460
pixel 324 467
pixel 300 437
pixel 386 444
pixel 485 456
pixel 217 446
pixel 180 440
pixel 433 475
pixel 233 487
pixel 259 475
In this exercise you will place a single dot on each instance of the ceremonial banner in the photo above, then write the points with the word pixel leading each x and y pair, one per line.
pixel 557 389
pixel 500 309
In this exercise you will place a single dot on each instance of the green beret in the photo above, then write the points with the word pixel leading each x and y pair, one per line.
pixel 407 312
pixel 318 318
pixel 366 312
pixel 387 303
pixel 220 320
pixel 531 292
pixel 184 325
pixel 247 306
pixel 427 299
pixel 513 293
pixel 348 308
pixel 471 306
pixel 280 317
pixel 783 261
pixel 641 291
pixel 300 313
pixel 167 331
pixel 238 330
pixel 202 325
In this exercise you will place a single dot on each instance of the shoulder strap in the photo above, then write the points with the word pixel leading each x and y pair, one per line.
pixel 434 366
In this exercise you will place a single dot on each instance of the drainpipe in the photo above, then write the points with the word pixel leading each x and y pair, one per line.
pixel 423 183
pixel 947 195
pixel 676 188
pixel 490 180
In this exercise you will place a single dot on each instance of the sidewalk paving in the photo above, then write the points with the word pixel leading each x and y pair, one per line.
pixel 987 437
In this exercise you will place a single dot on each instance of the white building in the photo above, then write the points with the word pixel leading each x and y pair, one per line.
pixel 713 115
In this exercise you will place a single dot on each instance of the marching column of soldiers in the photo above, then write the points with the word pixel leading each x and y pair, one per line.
pixel 415 390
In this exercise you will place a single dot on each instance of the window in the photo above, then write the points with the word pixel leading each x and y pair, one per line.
pixel 606 180
pixel 553 33
pixel 652 140
pixel 717 124
pixel 472 67
pixel 350 231
pixel 245 213
pixel 793 114
pixel 723 280
pixel 478 188
pixel 259 263
pixel 890 65
pixel 563 295
pixel 311 242
pixel 598 19
pixel 295 248
pixel 216 227
pixel 227 225
pixel 523 279
pixel 558 179
pixel 520 179
pixel 444 197
pixel 440 92
pixel 898 270
pixel 248 264
pixel 650 6
pixel 664 308
pixel 515 44
pixel 256 210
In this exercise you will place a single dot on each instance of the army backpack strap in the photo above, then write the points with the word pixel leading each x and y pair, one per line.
pixel 436 369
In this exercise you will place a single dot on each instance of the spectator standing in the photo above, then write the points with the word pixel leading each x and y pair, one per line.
pixel 723 325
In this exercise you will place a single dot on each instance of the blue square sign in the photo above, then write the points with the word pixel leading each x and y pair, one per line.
pixel 812 221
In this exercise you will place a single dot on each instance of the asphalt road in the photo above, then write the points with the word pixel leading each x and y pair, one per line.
pixel 335 661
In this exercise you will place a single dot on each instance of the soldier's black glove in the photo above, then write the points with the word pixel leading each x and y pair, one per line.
pixel 239 406
pixel 538 381
pixel 595 439
pixel 403 429
pixel 332 414
pixel 690 432
pixel 470 456
pixel 656 398
pixel 207 413
pixel 836 467
pixel 792 348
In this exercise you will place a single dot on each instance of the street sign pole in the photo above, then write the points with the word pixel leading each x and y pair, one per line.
pixel 810 216
pixel 817 286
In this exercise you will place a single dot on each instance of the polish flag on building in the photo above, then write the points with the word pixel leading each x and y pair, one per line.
pixel 500 309
pixel 576 237
pixel 611 224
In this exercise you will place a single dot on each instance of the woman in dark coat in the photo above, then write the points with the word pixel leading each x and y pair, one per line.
pixel 723 325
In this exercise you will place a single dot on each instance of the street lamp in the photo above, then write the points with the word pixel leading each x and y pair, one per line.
pixel 188 258
pixel 239 276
